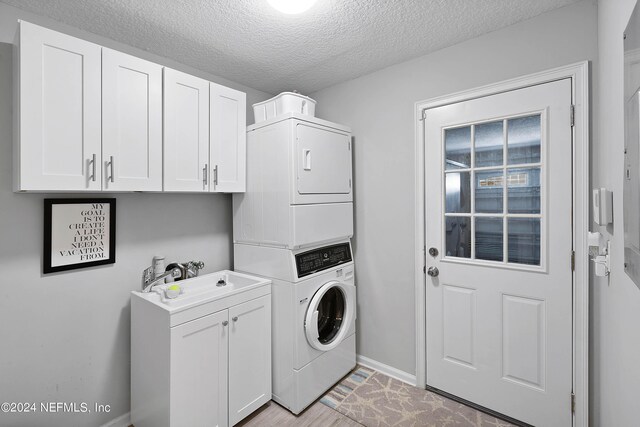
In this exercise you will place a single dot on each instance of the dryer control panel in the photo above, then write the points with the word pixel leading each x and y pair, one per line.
pixel 323 258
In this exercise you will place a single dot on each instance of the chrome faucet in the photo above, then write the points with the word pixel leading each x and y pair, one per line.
pixel 188 269
pixel 147 286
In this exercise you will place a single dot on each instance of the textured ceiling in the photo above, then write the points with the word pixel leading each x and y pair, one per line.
pixel 248 42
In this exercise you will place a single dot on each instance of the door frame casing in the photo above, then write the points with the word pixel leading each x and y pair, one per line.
pixel 579 75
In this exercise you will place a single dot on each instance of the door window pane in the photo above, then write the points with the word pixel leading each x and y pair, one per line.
pixel 524 240
pixel 489 233
pixel 458 236
pixel 489 144
pixel 523 140
pixel 493 204
pixel 457 145
pixel 489 191
pixel 458 192
pixel 524 190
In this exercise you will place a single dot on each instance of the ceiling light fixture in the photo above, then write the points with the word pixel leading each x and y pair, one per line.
pixel 291 7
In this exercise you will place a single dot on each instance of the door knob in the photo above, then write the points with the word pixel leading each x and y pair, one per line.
pixel 433 271
pixel 225 323
pixel 234 318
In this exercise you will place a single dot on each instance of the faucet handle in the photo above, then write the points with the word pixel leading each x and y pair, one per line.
pixel 198 265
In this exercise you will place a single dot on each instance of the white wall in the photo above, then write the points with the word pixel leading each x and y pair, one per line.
pixel 380 109
pixel 65 337
pixel 615 302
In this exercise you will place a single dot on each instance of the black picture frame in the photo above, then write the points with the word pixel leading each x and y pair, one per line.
pixel 77 228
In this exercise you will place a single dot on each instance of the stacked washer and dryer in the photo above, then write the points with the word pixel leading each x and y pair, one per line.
pixel 293 226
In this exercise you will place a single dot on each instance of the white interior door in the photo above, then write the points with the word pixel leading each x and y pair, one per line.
pixel 499 294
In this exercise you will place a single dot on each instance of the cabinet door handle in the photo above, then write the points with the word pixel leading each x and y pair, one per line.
pixel 204 174
pixel 225 323
pixel 215 175
pixel 234 318
pixel 111 178
pixel 93 164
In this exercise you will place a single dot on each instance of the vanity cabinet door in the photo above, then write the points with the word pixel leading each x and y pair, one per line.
pixel 186 132
pixel 131 123
pixel 57 95
pixel 198 377
pixel 249 357
pixel 227 139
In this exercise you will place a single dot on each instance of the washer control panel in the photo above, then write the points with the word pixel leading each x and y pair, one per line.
pixel 321 259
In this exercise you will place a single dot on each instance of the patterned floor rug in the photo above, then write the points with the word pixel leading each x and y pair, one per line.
pixel 376 400
pixel 344 388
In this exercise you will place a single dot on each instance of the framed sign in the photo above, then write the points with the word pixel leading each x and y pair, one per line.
pixel 78 233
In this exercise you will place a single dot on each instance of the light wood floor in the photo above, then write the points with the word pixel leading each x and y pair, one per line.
pixel 317 415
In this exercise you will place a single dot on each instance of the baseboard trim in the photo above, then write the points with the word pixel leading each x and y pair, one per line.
pixel 390 371
pixel 121 421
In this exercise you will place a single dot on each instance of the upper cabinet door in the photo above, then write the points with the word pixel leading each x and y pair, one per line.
pixel 186 132
pixel 58 122
pixel 228 139
pixel 131 123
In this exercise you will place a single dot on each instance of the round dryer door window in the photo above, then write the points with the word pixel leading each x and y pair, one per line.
pixel 329 315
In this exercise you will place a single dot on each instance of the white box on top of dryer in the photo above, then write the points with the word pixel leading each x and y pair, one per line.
pixel 299 184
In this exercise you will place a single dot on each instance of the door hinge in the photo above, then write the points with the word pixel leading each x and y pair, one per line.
pixel 573 115
pixel 573 403
pixel 573 260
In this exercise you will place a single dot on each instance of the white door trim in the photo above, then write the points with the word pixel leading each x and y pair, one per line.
pixel 579 74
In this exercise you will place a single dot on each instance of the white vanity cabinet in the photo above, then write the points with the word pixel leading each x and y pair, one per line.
pixel 57 100
pixel 131 123
pixel 207 364
pixel 228 139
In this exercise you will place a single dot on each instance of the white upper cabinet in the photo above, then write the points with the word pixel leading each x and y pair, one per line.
pixel 57 129
pixel 131 123
pixel 228 139
pixel 90 118
pixel 186 132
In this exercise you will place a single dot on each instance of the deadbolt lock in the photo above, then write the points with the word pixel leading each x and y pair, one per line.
pixel 433 252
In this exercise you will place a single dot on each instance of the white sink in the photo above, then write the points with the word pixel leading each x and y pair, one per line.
pixel 203 289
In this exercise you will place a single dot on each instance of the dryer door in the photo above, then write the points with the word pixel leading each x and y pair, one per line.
pixel 330 315
pixel 322 165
